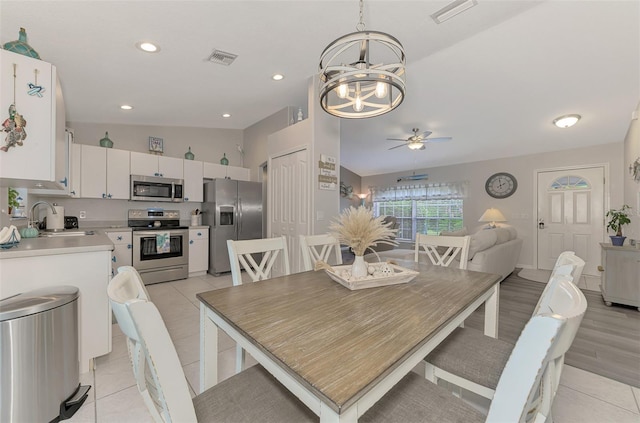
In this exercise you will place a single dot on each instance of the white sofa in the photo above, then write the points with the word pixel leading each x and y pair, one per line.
pixel 491 251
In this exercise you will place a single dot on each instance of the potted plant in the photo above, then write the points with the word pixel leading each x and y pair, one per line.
pixel 617 219
pixel 13 200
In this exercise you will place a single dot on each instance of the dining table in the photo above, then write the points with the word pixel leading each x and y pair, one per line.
pixel 340 350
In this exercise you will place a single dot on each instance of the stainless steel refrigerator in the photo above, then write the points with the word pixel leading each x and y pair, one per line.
pixel 233 210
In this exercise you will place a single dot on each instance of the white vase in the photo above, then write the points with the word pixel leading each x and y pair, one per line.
pixel 359 268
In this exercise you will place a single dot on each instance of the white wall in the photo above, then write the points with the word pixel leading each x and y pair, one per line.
pixel 207 144
pixel 518 209
pixel 255 139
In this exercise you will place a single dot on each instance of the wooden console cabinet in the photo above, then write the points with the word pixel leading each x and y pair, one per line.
pixel 620 279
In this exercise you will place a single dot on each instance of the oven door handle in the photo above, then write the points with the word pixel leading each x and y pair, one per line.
pixel 146 233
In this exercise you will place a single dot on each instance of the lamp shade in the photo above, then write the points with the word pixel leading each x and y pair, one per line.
pixel 492 215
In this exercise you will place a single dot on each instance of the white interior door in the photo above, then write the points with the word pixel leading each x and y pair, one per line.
pixel 571 215
pixel 289 203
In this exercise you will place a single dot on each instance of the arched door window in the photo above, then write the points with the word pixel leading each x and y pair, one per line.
pixel 569 182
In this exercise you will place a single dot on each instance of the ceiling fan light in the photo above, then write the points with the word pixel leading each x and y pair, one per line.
pixel 415 145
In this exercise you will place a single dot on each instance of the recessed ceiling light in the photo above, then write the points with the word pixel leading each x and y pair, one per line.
pixel 277 77
pixel 226 115
pixel 126 107
pixel 566 121
pixel 148 47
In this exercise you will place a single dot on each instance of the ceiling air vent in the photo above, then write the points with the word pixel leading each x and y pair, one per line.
pixel 222 57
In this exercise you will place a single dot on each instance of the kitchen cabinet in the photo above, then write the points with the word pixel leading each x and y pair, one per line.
pixel 153 165
pixel 89 271
pixel 198 250
pixel 71 181
pixel 218 171
pixel 104 173
pixel 193 183
pixel 123 244
pixel 620 278
pixel 37 161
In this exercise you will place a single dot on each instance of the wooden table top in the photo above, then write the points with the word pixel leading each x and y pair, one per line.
pixel 338 342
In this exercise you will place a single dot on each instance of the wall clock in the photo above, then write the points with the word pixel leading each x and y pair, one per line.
pixel 501 185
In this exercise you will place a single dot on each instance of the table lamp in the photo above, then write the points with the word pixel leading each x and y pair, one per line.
pixel 492 215
pixel 363 197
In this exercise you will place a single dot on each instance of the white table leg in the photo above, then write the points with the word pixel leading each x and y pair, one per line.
pixel 327 415
pixel 240 359
pixel 491 307
pixel 208 351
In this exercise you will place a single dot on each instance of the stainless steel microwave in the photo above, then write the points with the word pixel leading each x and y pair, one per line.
pixel 152 188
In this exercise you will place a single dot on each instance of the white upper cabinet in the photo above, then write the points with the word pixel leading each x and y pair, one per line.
pixel 104 173
pixel 37 160
pixel 193 188
pixel 152 165
pixel 218 171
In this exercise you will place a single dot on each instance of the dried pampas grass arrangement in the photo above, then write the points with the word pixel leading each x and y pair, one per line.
pixel 359 229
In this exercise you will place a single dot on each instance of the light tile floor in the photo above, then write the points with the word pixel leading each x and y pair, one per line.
pixel 583 397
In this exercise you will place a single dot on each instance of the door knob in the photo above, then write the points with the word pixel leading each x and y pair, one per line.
pixel 540 223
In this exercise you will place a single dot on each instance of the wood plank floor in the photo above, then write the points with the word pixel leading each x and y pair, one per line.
pixel 607 343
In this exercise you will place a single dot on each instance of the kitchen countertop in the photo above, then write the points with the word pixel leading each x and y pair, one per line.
pixel 44 246
pixel 199 227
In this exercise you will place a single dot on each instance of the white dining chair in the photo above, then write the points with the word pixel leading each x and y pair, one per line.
pixel 245 253
pixel 524 393
pixel 253 395
pixel 566 264
pixel 443 250
pixel 134 278
pixel 319 247
pixel 473 361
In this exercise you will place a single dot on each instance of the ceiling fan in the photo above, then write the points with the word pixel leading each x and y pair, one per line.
pixel 417 141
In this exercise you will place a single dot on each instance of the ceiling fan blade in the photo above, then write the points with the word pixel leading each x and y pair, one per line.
pixel 397 146
pixel 423 147
pixel 438 139
pixel 425 134
pixel 396 139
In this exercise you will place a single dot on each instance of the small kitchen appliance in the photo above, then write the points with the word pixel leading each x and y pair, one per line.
pixel 55 222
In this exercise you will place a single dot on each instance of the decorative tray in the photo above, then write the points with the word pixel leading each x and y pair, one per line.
pixel 398 275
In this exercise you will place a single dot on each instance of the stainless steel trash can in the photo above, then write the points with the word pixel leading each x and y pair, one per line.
pixel 39 355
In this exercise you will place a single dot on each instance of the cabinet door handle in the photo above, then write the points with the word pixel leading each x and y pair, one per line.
pixel 199 233
pixel 113 259
pixel 190 241
pixel 109 196
pixel 64 181
pixel 73 193
pixel 186 198
pixel 119 238
pixel 104 195
pixel 129 246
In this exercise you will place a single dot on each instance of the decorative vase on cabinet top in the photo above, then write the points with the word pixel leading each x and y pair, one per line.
pixel 106 142
pixel 224 160
pixel 189 155
pixel 20 46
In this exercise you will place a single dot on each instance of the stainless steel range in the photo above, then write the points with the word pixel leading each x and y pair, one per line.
pixel 160 245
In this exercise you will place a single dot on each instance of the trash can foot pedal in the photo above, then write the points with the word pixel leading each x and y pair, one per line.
pixel 69 407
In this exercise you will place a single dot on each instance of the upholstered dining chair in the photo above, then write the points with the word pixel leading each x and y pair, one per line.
pixel 443 250
pixel 253 395
pixel 473 361
pixel 319 247
pixel 524 393
pixel 245 253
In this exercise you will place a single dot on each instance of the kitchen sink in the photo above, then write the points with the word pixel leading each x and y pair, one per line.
pixel 65 234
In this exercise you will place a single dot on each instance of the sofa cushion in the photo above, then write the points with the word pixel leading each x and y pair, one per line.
pixel 482 240
pixel 513 232
pixel 461 232
pixel 503 235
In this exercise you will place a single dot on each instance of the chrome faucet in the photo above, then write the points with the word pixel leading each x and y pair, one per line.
pixel 31 221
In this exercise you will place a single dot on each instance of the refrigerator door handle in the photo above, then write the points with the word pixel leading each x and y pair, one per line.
pixel 240 214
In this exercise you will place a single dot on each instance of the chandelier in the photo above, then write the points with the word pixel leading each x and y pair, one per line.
pixel 362 74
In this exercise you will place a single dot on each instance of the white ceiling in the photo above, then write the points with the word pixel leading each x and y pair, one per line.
pixel 493 77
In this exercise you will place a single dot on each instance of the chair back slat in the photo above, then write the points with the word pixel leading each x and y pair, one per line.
pixel 319 247
pixel 443 250
pixel 241 253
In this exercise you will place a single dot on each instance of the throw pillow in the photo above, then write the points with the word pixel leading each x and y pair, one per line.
pixel 481 241
pixel 513 232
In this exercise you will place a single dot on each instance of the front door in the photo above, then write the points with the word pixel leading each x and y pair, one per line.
pixel 571 215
